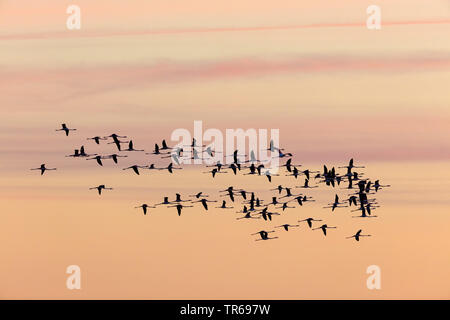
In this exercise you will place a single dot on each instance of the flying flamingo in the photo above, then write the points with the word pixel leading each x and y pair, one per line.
pixel 114 157
pixel 324 228
pixel 98 159
pixel 116 140
pixel 65 129
pixel 179 208
pixel 287 226
pixel 43 168
pixel 358 234
pixel 144 207
pixel 97 139
pixel 204 202
pixel 309 221
pixel 135 168
pixel 336 204
pixel 100 188
pixel 264 235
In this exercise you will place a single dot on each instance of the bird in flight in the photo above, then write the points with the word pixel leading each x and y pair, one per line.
pixel 114 157
pixel 309 221
pixel 199 195
pixel 170 168
pixel 135 168
pixel 287 226
pixel 43 168
pixel 224 205
pixel 130 147
pixel 144 207
pixel 97 139
pixel 306 185
pixel 264 235
pixel 98 159
pixel 116 140
pixel 324 228
pixel 65 129
pixel 179 208
pixel 204 202
pixel 358 234
pixel 335 204
pixel 100 188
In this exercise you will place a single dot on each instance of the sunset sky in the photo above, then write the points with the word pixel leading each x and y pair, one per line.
pixel 140 68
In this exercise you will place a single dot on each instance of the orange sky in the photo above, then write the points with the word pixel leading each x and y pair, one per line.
pixel 145 68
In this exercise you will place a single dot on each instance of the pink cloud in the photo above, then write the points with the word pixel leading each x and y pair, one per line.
pixel 103 34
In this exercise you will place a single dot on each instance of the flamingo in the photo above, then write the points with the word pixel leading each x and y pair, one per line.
pixel 350 165
pixel 279 188
pixel 378 186
pixel 130 147
pixel 165 201
pixel 266 214
pixel 116 140
pixel 358 234
pixel 324 228
pixel 65 129
pixel 306 185
pixel 164 145
pixel 179 208
pixel 264 235
pixel 204 202
pixel 135 168
pixel 76 154
pixel 214 172
pixel 144 207
pixel 84 154
pixel 43 168
pixel 309 221
pixel 248 215
pixel 170 168
pixel 114 157
pixel 287 226
pixel 335 204
pixel 98 159
pixel 100 188
pixel 199 195
pixel 97 139
pixel 224 205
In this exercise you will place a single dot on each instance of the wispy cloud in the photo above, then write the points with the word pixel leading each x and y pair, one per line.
pixel 105 34
pixel 91 80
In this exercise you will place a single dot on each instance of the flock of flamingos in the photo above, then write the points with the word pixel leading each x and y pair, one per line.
pixel 360 189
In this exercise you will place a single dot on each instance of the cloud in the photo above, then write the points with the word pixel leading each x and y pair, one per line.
pixel 104 34
pixel 78 81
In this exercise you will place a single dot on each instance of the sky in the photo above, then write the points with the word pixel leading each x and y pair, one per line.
pixel 333 88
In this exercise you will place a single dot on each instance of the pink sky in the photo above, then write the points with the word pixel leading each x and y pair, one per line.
pixel 145 68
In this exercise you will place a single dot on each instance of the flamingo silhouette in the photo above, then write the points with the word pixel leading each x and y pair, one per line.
pixel 287 226
pixel 264 235
pixel 98 159
pixel 130 147
pixel 309 221
pixel 358 234
pixel 324 228
pixel 144 207
pixel 97 139
pixel 336 204
pixel 65 129
pixel 114 157
pixel 204 202
pixel 224 205
pixel 42 168
pixel 179 208
pixel 100 188
pixel 116 140
pixel 135 168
